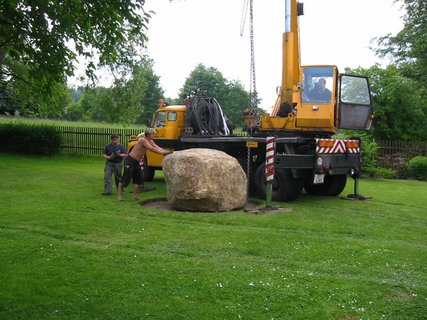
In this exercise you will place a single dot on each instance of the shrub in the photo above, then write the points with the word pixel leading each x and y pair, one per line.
pixel 417 167
pixel 385 173
pixel 369 149
pixel 30 139
pixel 369 155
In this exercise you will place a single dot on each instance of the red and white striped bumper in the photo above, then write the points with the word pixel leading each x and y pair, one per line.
pixel 335 146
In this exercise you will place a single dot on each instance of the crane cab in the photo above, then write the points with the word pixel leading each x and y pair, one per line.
pixel 332 101
pixel 323 101
pixel 316 108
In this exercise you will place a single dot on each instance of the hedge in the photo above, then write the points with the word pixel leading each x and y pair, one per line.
pixel 417 168
pixel 29 139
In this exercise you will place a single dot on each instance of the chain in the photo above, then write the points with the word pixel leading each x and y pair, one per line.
pixel 252 85
pixel 253 91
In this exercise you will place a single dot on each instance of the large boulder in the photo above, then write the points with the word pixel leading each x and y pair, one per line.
pixel 204 180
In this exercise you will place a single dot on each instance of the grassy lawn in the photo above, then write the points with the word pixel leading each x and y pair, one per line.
pixel 69 253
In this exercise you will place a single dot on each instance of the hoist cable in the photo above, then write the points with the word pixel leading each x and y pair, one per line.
pixel 243 17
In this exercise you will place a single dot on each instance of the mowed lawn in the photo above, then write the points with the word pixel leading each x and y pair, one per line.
pixel 69 253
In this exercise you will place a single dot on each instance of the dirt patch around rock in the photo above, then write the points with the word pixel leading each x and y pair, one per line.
pixel 250 207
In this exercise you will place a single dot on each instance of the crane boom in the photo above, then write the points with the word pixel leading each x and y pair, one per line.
pixel 291 54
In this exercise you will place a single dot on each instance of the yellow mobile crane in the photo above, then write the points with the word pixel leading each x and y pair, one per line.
pixel 313 103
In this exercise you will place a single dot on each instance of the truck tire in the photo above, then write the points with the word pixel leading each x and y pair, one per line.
pixel 148 171
pixel 285 187
pixel 332 186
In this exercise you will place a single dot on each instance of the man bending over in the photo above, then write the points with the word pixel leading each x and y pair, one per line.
pixel 132 169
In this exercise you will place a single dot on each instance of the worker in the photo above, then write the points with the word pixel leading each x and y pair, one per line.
pixel 320 92
pixel 113 154
pixel 132 167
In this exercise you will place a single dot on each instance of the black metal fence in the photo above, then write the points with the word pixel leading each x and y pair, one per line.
pixel 393 153
pixel 402 148
pixel 91 140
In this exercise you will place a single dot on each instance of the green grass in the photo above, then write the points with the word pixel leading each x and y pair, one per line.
pixel 70 253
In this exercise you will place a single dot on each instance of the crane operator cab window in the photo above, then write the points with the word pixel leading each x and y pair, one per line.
pixel 160 119
pixel 161 116
pixel 317 84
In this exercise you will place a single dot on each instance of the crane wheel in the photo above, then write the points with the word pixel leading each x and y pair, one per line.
pixel 285 187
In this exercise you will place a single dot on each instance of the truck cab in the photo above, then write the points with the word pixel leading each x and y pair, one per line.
pixel 169 122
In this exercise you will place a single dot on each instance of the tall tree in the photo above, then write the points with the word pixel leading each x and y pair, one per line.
pixel 402 99
pixel 40 41
pixel 47 35
pixel 127 101
pixel 204 80
pixel 210 82
pixel 409 46
pixel 236 100
pixel 31 102
pixel 150 99
pixel 119 104
pixel 400 111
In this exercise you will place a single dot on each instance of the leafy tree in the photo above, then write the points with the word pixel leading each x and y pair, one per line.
pixel 87 103
pixel 48 35
pixel 119 104
pixel 35 102
pixel 401 93
pixel 7 103
pixel 77 93
pixel 409 46
pixel 73 112
pixel 236 100
pixel 206 81
pixel 150 100
pixel 41 39
pixel 53 106
pixel 131 97
pixel 400 111
pixel 210 82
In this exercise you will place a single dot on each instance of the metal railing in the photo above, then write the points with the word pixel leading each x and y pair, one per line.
pixel 91 140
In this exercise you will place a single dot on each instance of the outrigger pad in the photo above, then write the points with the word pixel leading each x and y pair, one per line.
pixel 356 197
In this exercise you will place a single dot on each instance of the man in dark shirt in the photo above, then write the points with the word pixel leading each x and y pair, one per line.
pixel 113 154
pixel 320 93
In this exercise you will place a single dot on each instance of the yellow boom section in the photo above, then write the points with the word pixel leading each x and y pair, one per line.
pixel 291 54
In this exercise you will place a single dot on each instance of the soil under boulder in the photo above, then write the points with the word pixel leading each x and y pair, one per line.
pixel 204 180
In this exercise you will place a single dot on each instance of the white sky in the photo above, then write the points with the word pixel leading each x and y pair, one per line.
pixel 184 33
